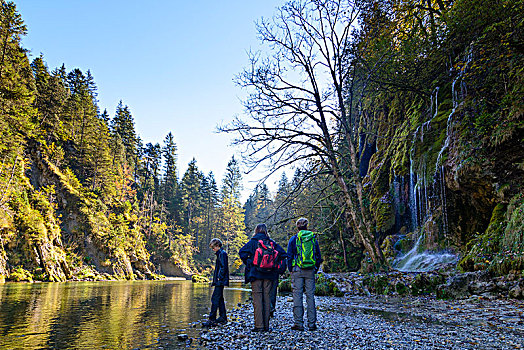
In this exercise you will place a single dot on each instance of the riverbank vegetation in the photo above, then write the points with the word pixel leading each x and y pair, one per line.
pixel 81 196
pixel 402 121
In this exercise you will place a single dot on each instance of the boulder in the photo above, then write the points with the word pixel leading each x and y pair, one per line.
pixel 171 269
pixel 463 285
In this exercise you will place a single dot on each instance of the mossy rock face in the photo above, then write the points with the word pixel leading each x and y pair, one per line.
pixel 21 275
pixel 199 279
pixel 482 249
pixel 378 284
pixel 401 288
pixel 424 285
pixel 86 274
pixel 322 289
pixel 324 286
pixel 500 249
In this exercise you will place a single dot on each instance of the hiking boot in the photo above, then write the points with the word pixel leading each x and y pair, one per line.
pixel 221 321
pixel 297 328
pixel 313 328
pixel 209 324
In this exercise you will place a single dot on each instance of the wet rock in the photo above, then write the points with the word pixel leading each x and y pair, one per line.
pixel 482 287
pixel 182 337
pixel 458 286
pixel 205 336
pixel 516 292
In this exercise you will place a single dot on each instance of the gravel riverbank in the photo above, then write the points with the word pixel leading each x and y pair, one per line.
pixel 378 323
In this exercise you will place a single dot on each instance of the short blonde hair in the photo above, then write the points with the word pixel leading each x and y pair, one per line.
pixel 215 242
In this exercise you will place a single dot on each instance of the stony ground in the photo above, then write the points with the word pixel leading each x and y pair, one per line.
pixel 375 323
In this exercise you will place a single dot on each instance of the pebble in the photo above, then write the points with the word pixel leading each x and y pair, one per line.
pixel 379 323
pixel 182 337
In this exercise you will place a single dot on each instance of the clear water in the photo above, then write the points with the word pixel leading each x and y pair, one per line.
pixel 105 315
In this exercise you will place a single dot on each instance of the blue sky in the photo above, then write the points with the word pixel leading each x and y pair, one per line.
pixel 172 62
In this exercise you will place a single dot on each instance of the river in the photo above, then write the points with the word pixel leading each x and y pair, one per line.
pixel 97 315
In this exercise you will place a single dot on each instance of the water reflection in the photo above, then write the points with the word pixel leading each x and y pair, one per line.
pixel 95 315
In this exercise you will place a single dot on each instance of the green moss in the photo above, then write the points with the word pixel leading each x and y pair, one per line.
pixel 322 289
pixel 510 257
pixel 378 284
pixel 425 285
pixel 501 247
pixel 401 288
pixel 196 278
pixel 20 274
pixel 86 274
pixel 482 249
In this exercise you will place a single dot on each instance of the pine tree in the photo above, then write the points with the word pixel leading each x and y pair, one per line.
pixel 51 97
pixel 16 83
pixel 231 225
pixel 124 125
pixel 171 198
pixel 232 182
pixel 210 204
pixel 190 194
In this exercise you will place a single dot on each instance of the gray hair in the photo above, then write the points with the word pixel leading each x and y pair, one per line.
pixel 302 223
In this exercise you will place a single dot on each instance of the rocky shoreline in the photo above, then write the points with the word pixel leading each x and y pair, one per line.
pixel 376 322
pixel 444 284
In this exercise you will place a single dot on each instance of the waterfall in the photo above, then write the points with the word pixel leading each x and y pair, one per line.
pixel 413 185
pixel 455 100
pixel 413 261
pixel 425 197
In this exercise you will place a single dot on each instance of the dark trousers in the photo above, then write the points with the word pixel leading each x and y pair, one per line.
pixel 261 302
pixel 217 303
pixel 273 295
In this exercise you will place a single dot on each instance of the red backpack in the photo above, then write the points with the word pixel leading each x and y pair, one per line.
pixel 266 257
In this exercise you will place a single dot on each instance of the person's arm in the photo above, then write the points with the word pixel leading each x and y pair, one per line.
pixel 291 252
pixel 245 253
pixel 223 264
pixel 318 255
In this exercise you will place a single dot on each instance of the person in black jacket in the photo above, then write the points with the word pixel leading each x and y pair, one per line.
pixel 220 279
pixel 261 281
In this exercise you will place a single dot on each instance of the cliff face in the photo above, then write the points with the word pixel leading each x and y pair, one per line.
pixel 449 177
pixel 54 230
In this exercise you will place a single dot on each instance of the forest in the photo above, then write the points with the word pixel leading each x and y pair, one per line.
pixel 402 122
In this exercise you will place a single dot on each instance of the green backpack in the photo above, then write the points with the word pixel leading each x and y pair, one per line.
pixel 305 250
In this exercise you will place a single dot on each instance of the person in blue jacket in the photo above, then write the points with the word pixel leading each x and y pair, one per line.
pixel 220 279
pixel 303 280
pixel 261 281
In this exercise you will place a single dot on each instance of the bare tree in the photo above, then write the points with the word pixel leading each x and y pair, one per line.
pixel 296 103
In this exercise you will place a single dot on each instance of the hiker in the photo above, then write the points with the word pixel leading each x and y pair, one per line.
pixel 304 260
pixel 262 257
pixel 220 279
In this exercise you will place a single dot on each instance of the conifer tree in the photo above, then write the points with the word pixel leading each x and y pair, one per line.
pixel 231 224
pixel 16 82
pixel 210 203
pixel 190 194
pixel 51 96
pixel 124 125
pixel 171 192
